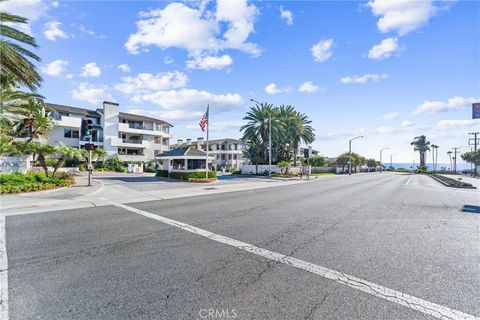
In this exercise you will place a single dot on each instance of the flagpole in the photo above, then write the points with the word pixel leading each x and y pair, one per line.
pixel 208 124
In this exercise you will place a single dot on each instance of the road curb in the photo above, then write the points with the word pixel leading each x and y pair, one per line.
pixel 450 186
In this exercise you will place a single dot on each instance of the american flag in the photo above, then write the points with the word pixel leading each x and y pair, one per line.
pixel 204 121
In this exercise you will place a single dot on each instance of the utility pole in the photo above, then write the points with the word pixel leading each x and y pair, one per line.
pixel 475 142
pixel 90 168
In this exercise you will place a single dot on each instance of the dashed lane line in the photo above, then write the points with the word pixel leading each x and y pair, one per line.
pixel 426 307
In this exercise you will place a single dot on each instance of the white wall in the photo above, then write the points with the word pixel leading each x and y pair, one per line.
pixel 110 127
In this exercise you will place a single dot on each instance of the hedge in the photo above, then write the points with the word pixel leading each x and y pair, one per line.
pixel 33 181
pixel 186 175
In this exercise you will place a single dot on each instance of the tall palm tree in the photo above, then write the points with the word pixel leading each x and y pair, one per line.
pixel 257 127
pixel 450 156
pixel 298 128
pixel 434 153
pixel 15 59
pixel 421 145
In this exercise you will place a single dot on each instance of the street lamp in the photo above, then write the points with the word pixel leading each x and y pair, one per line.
pixel 269 141
pixel 350 154
pixel 381 166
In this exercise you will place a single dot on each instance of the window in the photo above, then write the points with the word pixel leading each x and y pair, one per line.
pixel 70 133
pixel 234 157
pixel 158 140
pixel 223 157
pixel 236 146
pixel 229 157
pixel 223 147
pixel 165 142
pixel 166 129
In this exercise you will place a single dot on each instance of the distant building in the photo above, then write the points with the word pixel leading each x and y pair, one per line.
pixel 132 137
pixel 227 152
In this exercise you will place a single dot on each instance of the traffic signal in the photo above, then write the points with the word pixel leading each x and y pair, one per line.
pixel 89 127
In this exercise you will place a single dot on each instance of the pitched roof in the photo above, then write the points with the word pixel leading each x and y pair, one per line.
pixel 185 151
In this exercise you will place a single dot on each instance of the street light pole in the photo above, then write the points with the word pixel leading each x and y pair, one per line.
pixel 455 161
pixel 269 141
pixel 381 166
pixel 350 154
pixel 391 160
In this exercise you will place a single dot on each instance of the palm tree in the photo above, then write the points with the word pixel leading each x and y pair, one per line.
pixel 434 154
pixel 298 129
pixel 421 145
pixel 33 118
pixel 257 127
pixel 254 151
pixel 450 156
pixel 14 58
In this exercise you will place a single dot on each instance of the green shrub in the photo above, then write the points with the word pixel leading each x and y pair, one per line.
pixel 422 169
pixel 162 173
pixel 33 181
pixel 192 175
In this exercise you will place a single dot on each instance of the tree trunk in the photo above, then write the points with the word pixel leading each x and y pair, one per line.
pixel 41 159
pixel 59 163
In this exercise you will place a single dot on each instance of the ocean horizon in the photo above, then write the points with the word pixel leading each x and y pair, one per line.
pixel 404 165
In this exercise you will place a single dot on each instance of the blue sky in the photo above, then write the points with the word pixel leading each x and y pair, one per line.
pixel 389 70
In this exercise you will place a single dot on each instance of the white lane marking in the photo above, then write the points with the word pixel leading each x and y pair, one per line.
pixel 3 271
pixel 408 181
pixel 391 295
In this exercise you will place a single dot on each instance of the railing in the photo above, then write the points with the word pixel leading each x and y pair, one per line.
pixel 135 141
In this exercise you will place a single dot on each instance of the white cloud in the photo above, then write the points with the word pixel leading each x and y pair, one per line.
pixel 55 4
pixel 454 103
pixel 287 15
pixel 273 89
pixel 55 68
pixel 385 130
pixel 402 16
pixel 196 30
pixel 457 124
pixel 385 49
pixel 123 67
pixel 30 9
pixel 391 116
pixel 308 87
pixel 187 104
pixel 84 29
pixel 147 82
pixel 364 79
pixel 210 62
pixel 69 76
pixel 407 123
pixel 90 93
pixel 52 31
pixel 91 70
pixel 322 50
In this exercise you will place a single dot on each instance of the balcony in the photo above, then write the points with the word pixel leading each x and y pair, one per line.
pixel 70 122
pixel 131 143
pixel 137 129
pixel 132 157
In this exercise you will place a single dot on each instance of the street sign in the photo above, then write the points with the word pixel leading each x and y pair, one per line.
pixel 476 110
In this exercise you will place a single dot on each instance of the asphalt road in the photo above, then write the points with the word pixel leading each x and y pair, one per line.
pixel 403 232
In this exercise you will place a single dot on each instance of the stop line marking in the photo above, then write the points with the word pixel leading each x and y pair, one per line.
pixel 426 307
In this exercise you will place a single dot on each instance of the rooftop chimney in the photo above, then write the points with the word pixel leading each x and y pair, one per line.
pixel 199 143
pixel 189 141
pixel 179 141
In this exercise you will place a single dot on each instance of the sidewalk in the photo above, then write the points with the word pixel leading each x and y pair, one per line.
pixel 100 194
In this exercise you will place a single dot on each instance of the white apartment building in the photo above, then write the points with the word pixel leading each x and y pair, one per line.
pixel 132 137
pixel 226 152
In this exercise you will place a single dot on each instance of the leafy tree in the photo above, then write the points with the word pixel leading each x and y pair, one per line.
pixel 15 59
pixel 421 145
pixel 34 119
pixel 372 163
pixel 318 161
pixel 343 160
pixel 284 165
pixel 472 157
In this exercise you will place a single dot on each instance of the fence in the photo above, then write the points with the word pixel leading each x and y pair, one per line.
pixel 252 169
